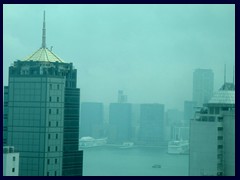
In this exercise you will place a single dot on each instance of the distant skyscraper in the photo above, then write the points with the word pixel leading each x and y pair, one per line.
pixel 43 114
pixel 212 136
pixel 151 130
pixel 10 161
pixel 189 111
pixel 202 86
pixel 119 122
pixel 91 122
pixel 121 97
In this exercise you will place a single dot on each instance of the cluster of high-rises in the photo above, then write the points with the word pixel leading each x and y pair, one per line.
pixel 43 120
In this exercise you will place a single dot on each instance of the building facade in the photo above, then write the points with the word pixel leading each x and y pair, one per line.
pixel 120 120
pixel 91 122
pixel 189 111
pixel 203 80
pixel 151 130
pixel 10 161
pixel 212 136
pixel 43 114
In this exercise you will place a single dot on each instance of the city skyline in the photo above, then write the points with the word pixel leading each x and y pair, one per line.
pixel 149 51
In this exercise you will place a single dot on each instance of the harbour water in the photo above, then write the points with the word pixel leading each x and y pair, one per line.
pixel 135 161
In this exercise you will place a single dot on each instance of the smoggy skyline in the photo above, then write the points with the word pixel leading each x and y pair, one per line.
pixel 149 51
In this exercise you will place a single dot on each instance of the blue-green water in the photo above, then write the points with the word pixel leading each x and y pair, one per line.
pixel 114 161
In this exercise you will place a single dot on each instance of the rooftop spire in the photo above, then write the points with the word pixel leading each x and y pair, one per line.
pixel 224 73
pixel 233 74
pixel 44 32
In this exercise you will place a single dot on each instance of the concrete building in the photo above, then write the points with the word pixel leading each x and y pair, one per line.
pixel 189 111
pixel 202 86
pixel 91 122
pixel 10 161
pixel 151 130
pixel 43 114
pixel 212 136
pixel 119 122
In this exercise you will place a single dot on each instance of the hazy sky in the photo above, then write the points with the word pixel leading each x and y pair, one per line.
pixel 149 51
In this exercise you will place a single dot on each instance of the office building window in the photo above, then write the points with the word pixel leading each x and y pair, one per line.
pixel 48 148
pixel 49 124
pixel 56 148
pixel 48 173
pixel 57 111
pixel 57 123
pixel 49 111
pixel 58 86
pixel 56 136
pixel 57 99
pixel 55 161
pixel 50 99
pixel 13 169
pixel 48 161
pixel 55 173
pixel 50 86
pixel 49 136
pixel 14 158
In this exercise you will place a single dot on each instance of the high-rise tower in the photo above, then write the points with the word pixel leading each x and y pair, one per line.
pixel 212 136
pixel 202 86
pixel 43 114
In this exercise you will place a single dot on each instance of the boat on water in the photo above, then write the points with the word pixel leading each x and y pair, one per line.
pixel 156 166
pixel 178 147
pixel 88 141
pixel 127 145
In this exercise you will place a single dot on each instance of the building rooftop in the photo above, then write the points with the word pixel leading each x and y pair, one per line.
pixel 225 95
pixel 43 54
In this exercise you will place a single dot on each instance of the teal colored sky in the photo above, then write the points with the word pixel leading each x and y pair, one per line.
pixel 149 51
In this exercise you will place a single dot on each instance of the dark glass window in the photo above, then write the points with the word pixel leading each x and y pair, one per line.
pixel 48 148
pixel 56 136
pixel 49 136
pixel 50 99
pixel 56 148
pixel 220 128
pixel 49 124
pixel 48 173
pixel 57 111
pixel 14 158
pixel 58 86
pixel 55 173
pixel 50 86
pixel 48 161
pixel 55 161
pixel 57 99
pixel 13 169
pixel 57 123
pixel 49 111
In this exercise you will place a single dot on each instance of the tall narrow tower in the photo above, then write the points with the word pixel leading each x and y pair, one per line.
pixel 202 86
pixel 43 114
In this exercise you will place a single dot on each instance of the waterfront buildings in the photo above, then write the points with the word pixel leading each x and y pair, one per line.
pixel 43 114
pixel 119 122
pixel 212 136
pixel 151 131
pixel 91 122
pixel 202 86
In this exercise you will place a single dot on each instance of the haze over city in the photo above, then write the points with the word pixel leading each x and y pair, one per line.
pixel 149 51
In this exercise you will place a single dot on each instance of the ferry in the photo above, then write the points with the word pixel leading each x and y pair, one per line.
pixel 88 141
pixel 178 147
pixel 127 145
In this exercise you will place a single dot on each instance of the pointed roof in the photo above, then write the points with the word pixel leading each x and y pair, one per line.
pixel 43 54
